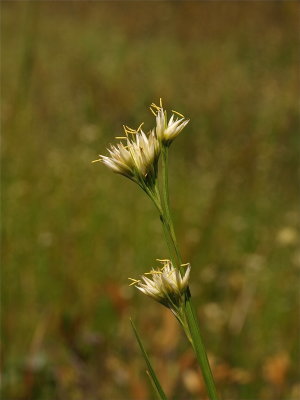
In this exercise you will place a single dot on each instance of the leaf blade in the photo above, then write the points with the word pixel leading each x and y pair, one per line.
pixel 153 378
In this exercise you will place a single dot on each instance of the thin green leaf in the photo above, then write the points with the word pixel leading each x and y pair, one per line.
pixel 154 380
pixel 153 385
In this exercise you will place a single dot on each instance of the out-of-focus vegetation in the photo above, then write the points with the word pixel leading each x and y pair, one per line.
pixel 72 232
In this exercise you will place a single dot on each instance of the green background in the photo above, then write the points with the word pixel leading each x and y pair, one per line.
pixel 73 232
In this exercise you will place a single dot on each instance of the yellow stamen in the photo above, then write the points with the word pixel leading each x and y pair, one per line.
pixel 121 137
pixel 128 129
pixel 160 102
pixel 155 106
pixel 96 160
pixel 162 260
pixel 134 281
pixel 140 126
pixel 176 112
pixel 184 265
pixel 153 112
pixel 132 131
pixel 125 130
pixel 152 272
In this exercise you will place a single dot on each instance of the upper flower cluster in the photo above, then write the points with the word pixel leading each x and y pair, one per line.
pixel 167 285
pixel 137 159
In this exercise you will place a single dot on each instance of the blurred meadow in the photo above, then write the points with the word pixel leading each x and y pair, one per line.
pixel 73 232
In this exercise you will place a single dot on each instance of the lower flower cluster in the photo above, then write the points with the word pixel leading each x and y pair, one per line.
pixel 165 285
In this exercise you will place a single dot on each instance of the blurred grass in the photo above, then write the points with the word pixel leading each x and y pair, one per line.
pixel 73 232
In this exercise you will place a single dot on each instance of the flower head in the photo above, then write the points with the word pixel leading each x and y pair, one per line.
pixel 166 131
pixel 167 285
pixel 137 159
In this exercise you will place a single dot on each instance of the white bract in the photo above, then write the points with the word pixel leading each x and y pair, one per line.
pixel 167 285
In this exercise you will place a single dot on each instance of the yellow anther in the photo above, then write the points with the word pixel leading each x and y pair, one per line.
pixel 125 130
pixel 176 112
pixel 162 260
pixel 184 265
pixel 132 131
pixel 153 112
pixel 95 160
pixel 160 102
pixel 155 106
pixel 134 281
pixel 128 129
pixel 121 137
pixel 140 126
pixel 153 272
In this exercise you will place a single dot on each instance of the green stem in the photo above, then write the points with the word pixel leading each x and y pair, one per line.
pixel 166 207
pixel 200 348
pixel 189 309
pixel 155 197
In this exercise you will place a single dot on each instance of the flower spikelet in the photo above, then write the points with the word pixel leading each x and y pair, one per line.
pixel 167 285
pixel 137 159
pixel 166 131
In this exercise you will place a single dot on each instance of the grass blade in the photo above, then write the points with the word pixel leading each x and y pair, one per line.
pixel 150 372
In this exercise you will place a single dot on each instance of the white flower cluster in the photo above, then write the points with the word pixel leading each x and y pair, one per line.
pixel 167 285
pixel 137 159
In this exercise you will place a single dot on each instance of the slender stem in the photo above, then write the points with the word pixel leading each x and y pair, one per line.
pixel 189 310
pixel 155 197
pixel 166 204
pixel 199 348
pixel 165 186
